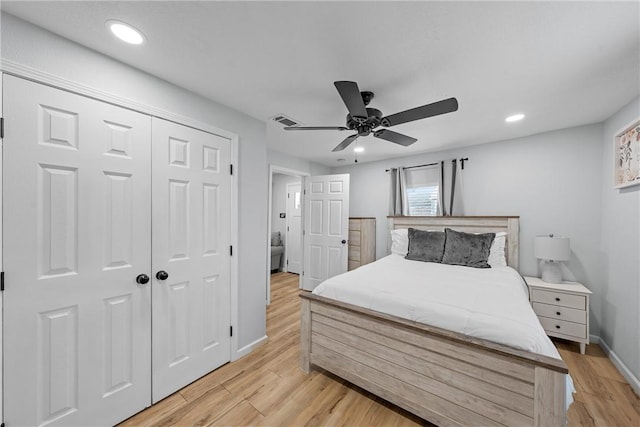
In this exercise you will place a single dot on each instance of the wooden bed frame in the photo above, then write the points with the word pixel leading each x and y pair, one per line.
pixel 442 376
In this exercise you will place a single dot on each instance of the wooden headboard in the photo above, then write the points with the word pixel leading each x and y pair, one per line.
pixel 469 224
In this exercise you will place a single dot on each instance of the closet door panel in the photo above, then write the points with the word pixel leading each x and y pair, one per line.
pixel 76 222
pixel 191 222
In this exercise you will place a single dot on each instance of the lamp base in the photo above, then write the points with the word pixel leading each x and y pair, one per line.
pixel 551 272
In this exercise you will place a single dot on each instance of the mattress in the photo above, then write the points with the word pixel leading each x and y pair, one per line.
pixel 487 303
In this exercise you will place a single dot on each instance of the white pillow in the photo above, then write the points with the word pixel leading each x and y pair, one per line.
pixel 496 252
pixel 400 241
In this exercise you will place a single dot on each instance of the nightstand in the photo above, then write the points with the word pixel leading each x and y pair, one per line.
pixel 562 308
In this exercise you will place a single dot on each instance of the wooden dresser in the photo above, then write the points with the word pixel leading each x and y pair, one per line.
pixel 362 241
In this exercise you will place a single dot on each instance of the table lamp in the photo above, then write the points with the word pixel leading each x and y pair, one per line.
pixel 553 250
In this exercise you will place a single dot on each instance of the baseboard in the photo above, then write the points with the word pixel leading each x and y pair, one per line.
pixel 241 352
pixel 594 339
pixel 626 372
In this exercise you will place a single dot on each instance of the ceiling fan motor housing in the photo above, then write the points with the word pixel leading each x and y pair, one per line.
pixel 364 128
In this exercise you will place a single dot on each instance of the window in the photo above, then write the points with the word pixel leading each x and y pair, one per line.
pixel 422 191
pixel 423 201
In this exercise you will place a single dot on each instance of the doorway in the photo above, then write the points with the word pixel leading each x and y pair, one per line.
pixel 293 232
pixel 284 223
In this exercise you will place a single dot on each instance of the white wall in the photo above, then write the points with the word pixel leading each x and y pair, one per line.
pixel 620 286
pixel 279 202
pixel 37 48
pixel 551 180
pixel 277 158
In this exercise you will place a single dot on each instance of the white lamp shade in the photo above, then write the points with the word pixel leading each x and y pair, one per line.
pixel 552 248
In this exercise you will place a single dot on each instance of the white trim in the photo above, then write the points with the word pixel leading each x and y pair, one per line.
pixel 1 265
pixel 619 364
pixel 42 77
pixel 249 348
pixel 286 171
pixel 233 276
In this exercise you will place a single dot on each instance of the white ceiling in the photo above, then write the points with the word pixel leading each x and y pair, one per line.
pixel 563 64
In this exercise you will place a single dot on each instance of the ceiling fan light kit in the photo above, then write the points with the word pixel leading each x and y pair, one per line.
pixel 365 120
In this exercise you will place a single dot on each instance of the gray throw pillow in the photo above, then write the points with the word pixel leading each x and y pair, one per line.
pixel 471 250
pixel 425 246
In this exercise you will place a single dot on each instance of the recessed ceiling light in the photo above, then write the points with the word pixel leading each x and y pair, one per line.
pixel 358 149
pixel 514 118
pixel 125 32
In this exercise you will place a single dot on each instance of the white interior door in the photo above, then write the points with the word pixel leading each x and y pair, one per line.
pixel 326 228
pixel 191 238
pixel 76 234
pixel 293 241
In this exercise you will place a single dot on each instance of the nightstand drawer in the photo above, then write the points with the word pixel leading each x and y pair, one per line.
pixel 559 298
pixel 354 225
pixel 571 329
pixel 561 313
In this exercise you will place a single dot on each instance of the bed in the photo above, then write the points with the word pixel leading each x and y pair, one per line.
pixel 419 362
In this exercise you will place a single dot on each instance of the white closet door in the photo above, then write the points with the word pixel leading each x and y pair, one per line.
pixel 326 228
pixel 76 234
pixel 191 237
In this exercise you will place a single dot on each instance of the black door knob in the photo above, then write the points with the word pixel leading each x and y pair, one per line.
pixel 343 242
pixel 142 279
pixel 162 275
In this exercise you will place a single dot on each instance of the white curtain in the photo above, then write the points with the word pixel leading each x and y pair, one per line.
pixel 398 204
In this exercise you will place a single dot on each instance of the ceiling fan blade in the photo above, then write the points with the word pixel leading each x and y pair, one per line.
pixel 344 144
pixel 441 107
pixel 394 137
pixel 351 97
pixel 315 128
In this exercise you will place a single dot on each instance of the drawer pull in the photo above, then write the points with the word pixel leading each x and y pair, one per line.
pixel 557 326
pixel 558 299
pixel 558 313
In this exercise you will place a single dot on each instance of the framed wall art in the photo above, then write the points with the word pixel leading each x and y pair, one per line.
pixel 626 155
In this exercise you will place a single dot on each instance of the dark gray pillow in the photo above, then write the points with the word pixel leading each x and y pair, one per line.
pixel 471 250
pixel 425 246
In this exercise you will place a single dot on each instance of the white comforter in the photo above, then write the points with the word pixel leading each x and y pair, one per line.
pixel 487 303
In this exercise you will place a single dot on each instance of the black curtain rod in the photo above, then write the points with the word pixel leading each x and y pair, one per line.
pixel 422 166
pixel 417 166
pixel 462 160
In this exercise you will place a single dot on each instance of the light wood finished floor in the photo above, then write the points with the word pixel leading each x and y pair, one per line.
pixel 267 388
